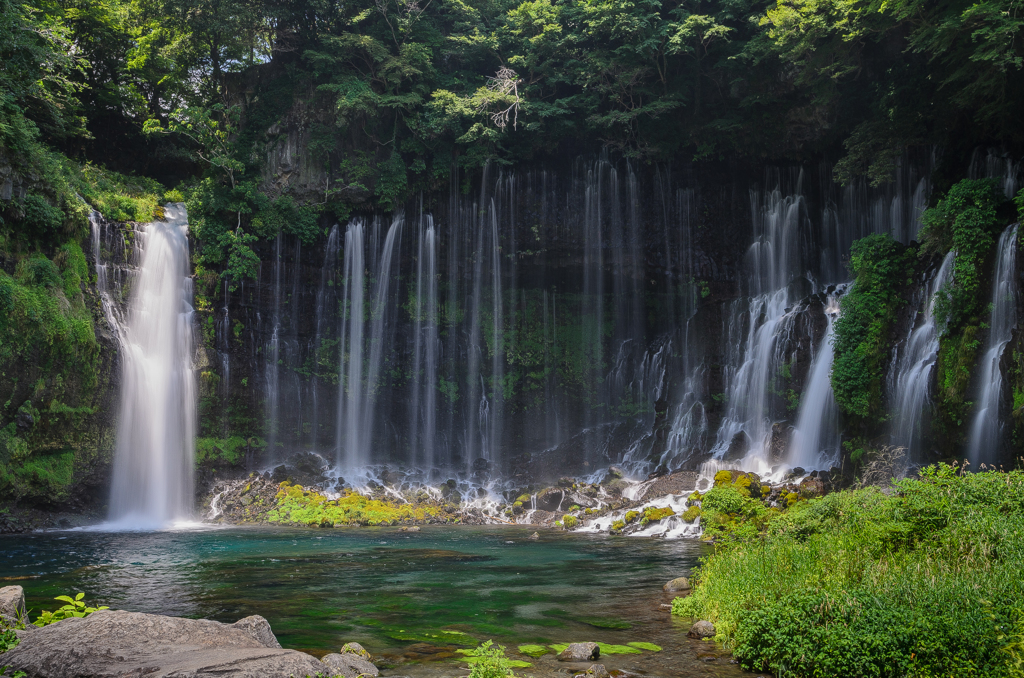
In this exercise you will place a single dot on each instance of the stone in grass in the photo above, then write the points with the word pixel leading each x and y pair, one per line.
pixel 677 584
pixel 356 649
pixel 702 629
pixel 580 652
pixel 349 665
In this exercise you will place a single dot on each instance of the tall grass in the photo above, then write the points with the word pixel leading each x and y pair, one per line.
pixel 925 581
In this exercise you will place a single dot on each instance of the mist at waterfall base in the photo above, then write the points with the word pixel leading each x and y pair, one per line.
pixel 386 589
pixel 153 461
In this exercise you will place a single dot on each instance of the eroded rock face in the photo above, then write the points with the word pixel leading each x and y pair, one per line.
pixel 580 652
pixel 349 665
pixel 113 643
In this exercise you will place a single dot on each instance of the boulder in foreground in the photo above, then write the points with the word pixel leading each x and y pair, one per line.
pixel 111 643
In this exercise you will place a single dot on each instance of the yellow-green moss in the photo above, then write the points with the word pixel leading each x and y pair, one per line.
pixel 631 516
pixel 691 514
pixel 569 521
pixel 651 513
pixel 298 506
pixel 618 525
pixel 723 477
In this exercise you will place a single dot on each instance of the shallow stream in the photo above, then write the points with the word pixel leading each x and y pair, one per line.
pixel 410 598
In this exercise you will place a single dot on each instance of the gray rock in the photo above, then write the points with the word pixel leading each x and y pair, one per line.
pixel 596 671
pixel 348 665
pixel 702 629
pixel 535 536
pixel 356 649
pixel 259 628
pixel 113 643
pixel 677 584
pixel 12 602
pixel 580 652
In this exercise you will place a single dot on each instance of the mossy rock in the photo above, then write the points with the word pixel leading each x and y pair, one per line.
pixel 723 477
pixel 618 525
pixel 631 516
pixel 650 647
pixel 695 497
pixel 523 498
pixel 652 514
pixel 533 650
pixel 792 498
pixel 569 521
pixel 691 514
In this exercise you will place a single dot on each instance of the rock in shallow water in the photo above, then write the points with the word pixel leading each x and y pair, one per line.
pixel 112 643
pixel 677 584
pixel 702 629
pixel 580 652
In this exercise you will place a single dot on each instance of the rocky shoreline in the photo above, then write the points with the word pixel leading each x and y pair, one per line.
pixel 661 505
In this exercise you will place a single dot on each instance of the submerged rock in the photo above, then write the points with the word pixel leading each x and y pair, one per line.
pixel 702 629
pixel 349 665
pixel 535 536
pixel 677 584
pixel 580 652
pixel 112 643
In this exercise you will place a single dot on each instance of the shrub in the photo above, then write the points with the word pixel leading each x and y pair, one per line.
pixel 489 661
pixel 963 221
pixel 881 267
pixel 73 607
pixel 923 582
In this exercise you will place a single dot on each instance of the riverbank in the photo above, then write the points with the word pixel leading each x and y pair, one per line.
pixel 921 579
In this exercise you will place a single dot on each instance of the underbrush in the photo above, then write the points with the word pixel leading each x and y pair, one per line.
pixel 297 505
pixel 926 581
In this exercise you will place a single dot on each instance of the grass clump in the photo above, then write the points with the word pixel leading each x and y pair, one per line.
pixel 489 661
pixel 923 582
pixel 299 506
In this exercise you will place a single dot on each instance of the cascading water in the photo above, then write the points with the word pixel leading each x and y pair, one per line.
pixel 815 440
pixel 152 481
pixel 348 427
pixel 911 373
pixel 758 327
pixel 986 429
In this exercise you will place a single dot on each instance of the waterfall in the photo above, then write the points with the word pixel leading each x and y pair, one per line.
pixel 378 338
pixel 423 419
pixel 912 370
pixel 498 347
pixel 273 357
pixel 815 440
pixel 152 480
pixel 350 377
pixel 323 300
pixel 758 326
pixel 986 429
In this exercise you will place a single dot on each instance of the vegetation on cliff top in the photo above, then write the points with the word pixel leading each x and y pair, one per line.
pixel 923 581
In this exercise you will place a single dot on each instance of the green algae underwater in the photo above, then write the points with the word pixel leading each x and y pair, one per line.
pixel 403 595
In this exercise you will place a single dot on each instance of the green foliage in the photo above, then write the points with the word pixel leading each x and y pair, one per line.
pixel 73 607
pixel 489 661
pixel 882 268
pixel 8 641
pixel 230 451
pixel 963 221
pixel 920 582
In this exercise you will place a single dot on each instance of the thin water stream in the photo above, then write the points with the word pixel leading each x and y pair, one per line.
pixel 400 594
